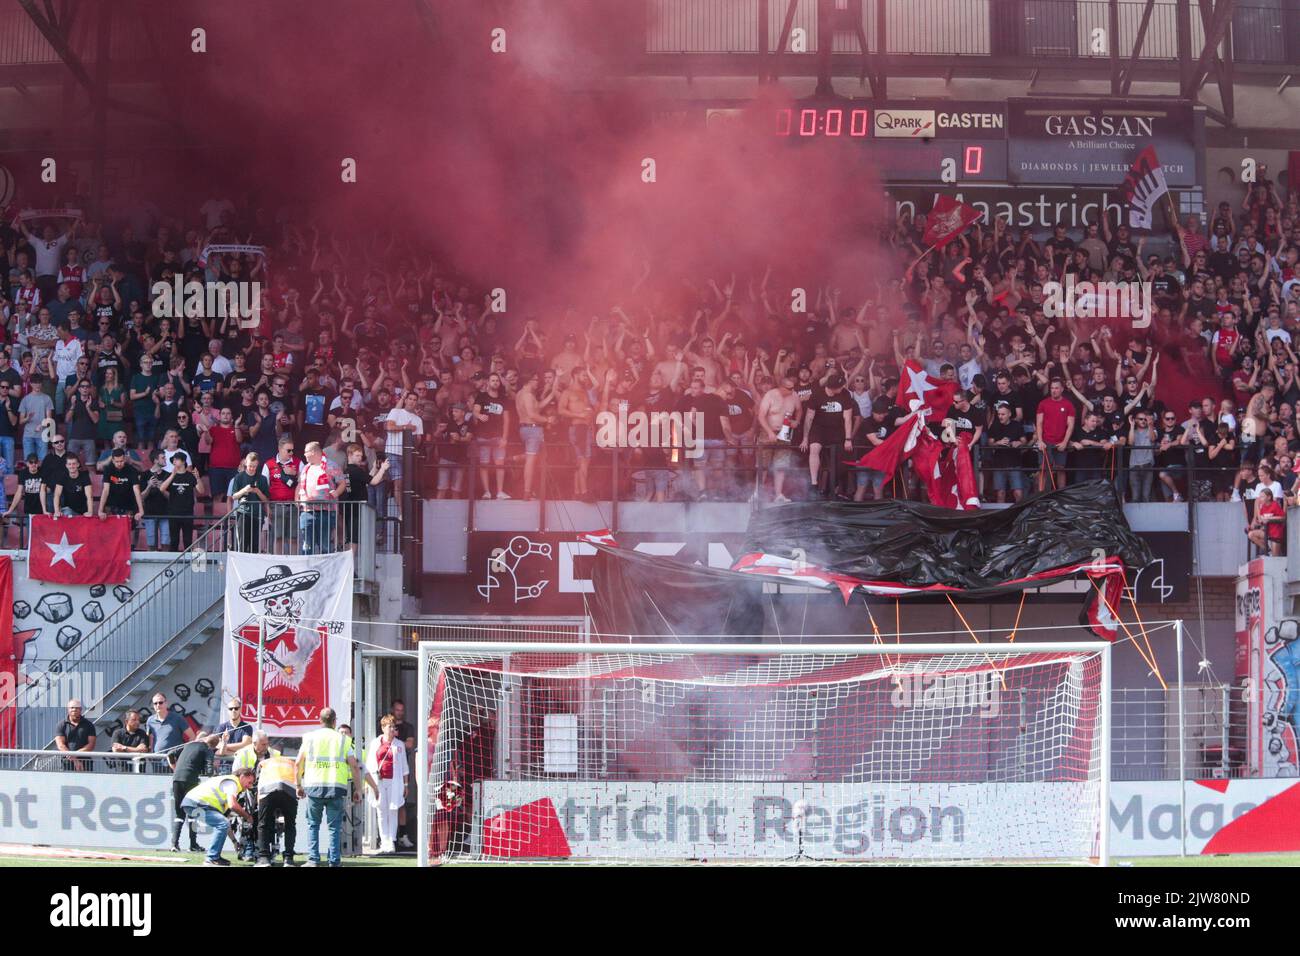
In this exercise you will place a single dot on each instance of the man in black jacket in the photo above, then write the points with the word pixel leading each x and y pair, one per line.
pixel 193 761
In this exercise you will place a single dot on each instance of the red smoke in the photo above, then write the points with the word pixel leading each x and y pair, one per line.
pixel 506 162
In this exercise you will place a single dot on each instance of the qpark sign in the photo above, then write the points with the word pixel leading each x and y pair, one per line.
pixel 942 121
pixel 530 573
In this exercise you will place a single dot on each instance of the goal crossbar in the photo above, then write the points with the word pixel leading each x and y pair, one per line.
pixel 433 648
pixel 926 760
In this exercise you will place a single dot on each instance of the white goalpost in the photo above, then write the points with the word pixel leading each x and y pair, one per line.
pixel 816 753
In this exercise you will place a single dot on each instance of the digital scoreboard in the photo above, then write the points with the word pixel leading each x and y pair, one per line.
pixel 1020 142
pixel 907 145
pixel 905 142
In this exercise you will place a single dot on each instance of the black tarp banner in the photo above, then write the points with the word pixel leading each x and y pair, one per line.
pixel 900 548
pixel 980 552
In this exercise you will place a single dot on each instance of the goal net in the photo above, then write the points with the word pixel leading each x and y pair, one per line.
pixel 670 753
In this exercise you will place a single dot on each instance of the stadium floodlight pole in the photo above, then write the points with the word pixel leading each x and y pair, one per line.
pixel 1182 745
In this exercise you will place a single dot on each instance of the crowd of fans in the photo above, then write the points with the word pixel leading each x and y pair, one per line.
pixel 361 347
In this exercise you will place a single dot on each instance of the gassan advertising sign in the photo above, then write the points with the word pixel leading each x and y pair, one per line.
pixel 1079 142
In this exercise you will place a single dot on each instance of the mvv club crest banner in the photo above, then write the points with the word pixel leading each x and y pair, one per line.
pixel 305 605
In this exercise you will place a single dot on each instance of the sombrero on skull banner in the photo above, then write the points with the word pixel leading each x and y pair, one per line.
pixel 279 580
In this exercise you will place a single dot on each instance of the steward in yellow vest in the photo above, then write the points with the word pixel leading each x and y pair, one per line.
pixel 213 799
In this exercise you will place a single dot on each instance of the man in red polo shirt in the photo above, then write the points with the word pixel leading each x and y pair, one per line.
pixel 1054 427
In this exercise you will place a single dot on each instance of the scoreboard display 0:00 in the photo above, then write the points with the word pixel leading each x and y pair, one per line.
pixel 917 158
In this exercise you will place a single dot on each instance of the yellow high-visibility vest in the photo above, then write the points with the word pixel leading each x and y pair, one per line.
pixel 219 793
pixel 248 757
pixel 325 755
pixel 277 773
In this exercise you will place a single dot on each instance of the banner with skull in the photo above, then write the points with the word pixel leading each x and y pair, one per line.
pixel 303 604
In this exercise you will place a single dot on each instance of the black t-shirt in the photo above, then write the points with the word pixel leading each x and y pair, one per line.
pixel 1167 291
pixel 167 412
pixel 495 410
pixel 31 485
pixel 106 361
pixel 238 381
pixel 104 312
pixel 53 468
pixel 193 342
pixel 828 416
pixel 1091 456
pixel 1004 457
pixel 371 335
pixel 1200 449
pixel 1221 263
pixel 1125 248
pixel 7 429
pixel 740 410
pixel 963 422
pixel 713 408
pixel 241 481
pixel 1174 454
pixel 454 451
pixel 1114 423
pixel 128 738
pixel 77 735
pixel 358 479
pixel 1062 249
pixel 122 482
pixel 1200 306
pixel 286 403
pixel 180 498
pixel 154 501
pixel 881 429
pixel 74 492
pixel 82 427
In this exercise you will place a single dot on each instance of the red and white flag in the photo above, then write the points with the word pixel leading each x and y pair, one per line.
pixel 947 220
pixel 917 388
pixel 946 469
pixel 947 472
pixel 79 550
pixel 924 398
pixel 1144 186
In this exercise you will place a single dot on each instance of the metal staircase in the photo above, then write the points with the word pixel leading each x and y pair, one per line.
pixel 162 624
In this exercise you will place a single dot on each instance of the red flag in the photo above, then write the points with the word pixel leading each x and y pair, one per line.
pixel 529 831
pixel 916 388
pixel 1102 605
pixel 79 550
pixel 926 398
pixel 894 450
pixel 947 472
pixel 948 220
